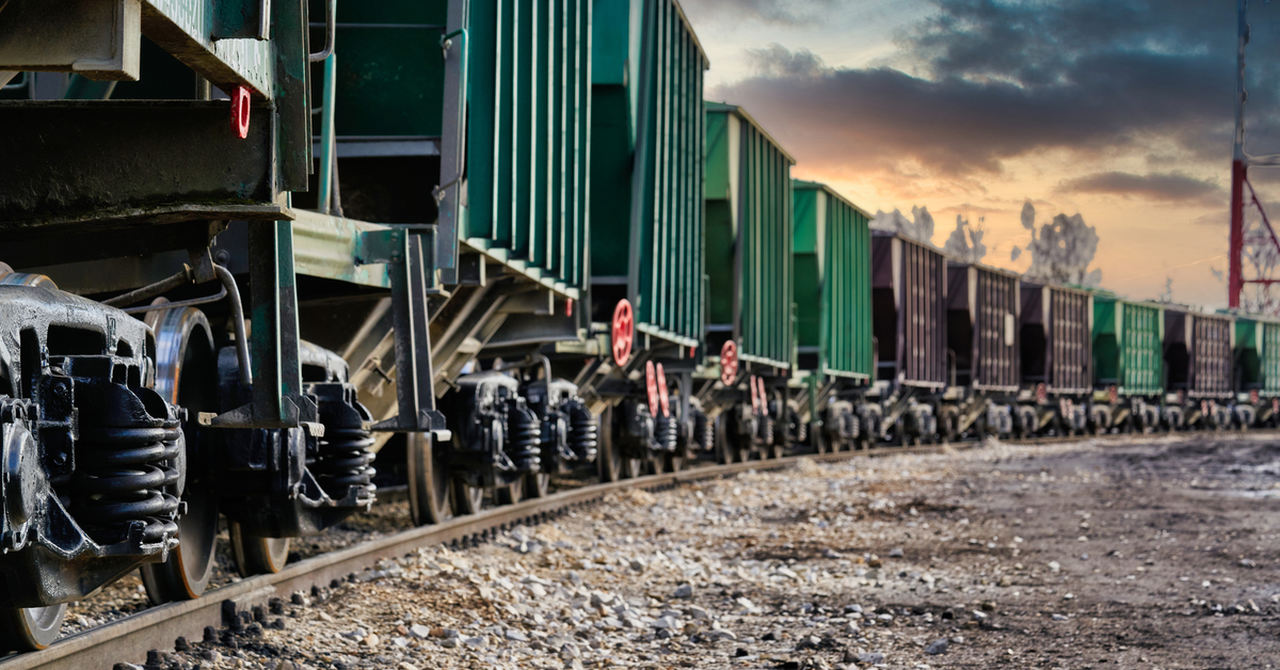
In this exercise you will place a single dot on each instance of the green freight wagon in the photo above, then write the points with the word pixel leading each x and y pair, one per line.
pixel 647 134
pixel 832 294
pixel 749 238
pixel 482 108
pixel 832 260
pixel 1128 340
pixel 1257 353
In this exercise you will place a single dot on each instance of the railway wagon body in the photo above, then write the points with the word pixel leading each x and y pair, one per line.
pixel 1128 364
pixel 646 252
pixel 1198 359
pixel 983 307
pixel 1257 368
pixel 832 264
pixel 749 269
pixel 909 302
pixel 1057 361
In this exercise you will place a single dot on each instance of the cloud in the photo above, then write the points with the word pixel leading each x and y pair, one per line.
pixel 986 81
pixel 1162 187
pixel 787 12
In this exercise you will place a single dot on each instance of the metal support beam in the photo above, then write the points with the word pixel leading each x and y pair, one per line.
pixel 100 39
pixel 415 396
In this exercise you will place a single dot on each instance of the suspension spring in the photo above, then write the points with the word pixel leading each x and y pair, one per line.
pixel 344 459
pixel 584 431
pixel 667 432
pixel 524 443
pixel 127 476
pixel 704 426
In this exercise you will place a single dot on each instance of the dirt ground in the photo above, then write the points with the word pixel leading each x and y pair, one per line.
pixel 1151 554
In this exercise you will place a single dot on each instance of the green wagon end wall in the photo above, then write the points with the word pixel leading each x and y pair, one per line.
pixel 646 165
pixel 749 235
pixel 1128 345
pixel 832 257
pixel 1257 347
pixel 528 105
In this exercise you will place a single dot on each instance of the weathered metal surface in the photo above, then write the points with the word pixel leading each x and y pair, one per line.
pixel 96 38
pixel 749 235
pixel 99 161
pixel 187 29
pixel 1197 353
pixel 983 306
pixel 909 292
pixel 1055 338
pixel 335 248
pixel 832 283
pixel 646 165
pixel 1128 342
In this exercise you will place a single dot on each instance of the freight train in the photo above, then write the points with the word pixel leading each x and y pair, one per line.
pixel 262 256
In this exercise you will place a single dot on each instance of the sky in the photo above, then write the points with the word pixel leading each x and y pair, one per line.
pixel 1120 111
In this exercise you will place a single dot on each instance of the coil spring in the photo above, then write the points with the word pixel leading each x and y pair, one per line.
pixel 766 429
pixel 800 428
pixel 666 432
pixel 705 427
pixel 584 431
pixel 125 472
pixel 524 439
pixel 344 459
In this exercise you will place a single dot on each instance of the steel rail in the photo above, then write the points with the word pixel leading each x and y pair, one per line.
pixel 129 639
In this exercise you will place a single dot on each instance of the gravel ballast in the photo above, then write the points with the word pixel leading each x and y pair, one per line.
pixel 1147 553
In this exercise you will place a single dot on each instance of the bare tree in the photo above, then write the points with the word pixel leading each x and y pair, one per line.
pixel 1061 250
pixel 965 242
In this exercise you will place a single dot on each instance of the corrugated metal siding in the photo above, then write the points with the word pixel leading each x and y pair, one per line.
pixel 1069 350
pixel 1056 338
pixel 909 293
pixel 760 214
pixel 832 270
pixel 1270 356
pixel 1211 360
pixel 1142 361
pixel 649 134
pixel 982 327
pixel 527 156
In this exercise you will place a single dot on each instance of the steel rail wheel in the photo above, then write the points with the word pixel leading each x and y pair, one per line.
pixel 30 628
pixel 187 376
pixel 430 481
pixel 467 498
pixel 725 452
pixel 537 485
pixel 608 457
pixel 255 554
pixel 510 494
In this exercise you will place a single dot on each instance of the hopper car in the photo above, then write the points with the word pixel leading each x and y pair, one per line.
pixel 259 258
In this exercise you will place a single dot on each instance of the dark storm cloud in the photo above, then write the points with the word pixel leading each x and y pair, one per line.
pixel 1165 187
pixel 1000 80
pixel 791 12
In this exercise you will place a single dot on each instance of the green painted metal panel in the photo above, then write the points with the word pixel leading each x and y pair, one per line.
pixel 749 204
pixel 1128 345
pixel 527 110
pixel 390 76
pixel 647 138
pixel 1257 352
pixel 832 280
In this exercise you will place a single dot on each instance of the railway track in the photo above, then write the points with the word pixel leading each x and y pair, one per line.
pixel 130 638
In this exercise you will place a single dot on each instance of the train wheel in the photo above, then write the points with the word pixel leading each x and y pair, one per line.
pixel 255 554
pixel 673 462
pixel 467 498
pixel 430 482
pixel 636 467
pixel 30 628
pixel 820 445
pixel 187 376
pixel 537 485
pixel 725 452
pixel 608 457
pixel 510 494
pixel 775 451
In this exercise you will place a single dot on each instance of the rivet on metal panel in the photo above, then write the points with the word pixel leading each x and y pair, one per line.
pixel 240 103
